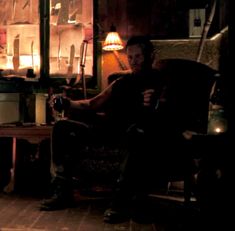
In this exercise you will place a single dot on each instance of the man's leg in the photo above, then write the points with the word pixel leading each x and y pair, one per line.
pixel 140 170
pixel 68 138
pixel 133 178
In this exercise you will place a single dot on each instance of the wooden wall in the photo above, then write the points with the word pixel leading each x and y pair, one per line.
pixel 177 48
pixel 161 19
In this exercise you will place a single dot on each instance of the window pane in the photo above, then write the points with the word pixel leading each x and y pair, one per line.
pixel 19 38
pixel 71 22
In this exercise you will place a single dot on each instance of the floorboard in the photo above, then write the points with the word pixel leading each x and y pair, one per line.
pixel 21 213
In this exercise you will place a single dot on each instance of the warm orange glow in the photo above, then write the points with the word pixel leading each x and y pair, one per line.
pixel 218 130
pixel 113 42
pixel 26 61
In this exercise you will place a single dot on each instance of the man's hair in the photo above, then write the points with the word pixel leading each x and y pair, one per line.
pixel 144 43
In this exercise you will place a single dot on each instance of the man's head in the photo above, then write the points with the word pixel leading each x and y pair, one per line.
pixel 139 51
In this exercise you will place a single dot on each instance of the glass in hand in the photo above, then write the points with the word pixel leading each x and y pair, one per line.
pixel 58 104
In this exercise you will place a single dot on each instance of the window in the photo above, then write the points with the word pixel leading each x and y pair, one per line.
pixel 71 37
pixel 19 38
pixel 41 38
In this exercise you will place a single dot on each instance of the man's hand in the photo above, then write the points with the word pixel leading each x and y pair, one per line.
pixel 188 134
pixel 61 103
pixel 149 97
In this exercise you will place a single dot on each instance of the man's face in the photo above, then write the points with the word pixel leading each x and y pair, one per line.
pixel 135 58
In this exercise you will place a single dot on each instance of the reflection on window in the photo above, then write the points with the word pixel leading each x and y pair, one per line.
pixel 19 37
pixel 71 22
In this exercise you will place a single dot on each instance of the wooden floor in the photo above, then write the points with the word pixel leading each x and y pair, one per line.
pixel 21 213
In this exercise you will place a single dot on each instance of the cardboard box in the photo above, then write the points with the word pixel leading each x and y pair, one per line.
pixel 9 107
pixel 35 108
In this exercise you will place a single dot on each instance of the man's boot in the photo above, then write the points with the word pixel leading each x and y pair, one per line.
pixel 62 195
pixel 119 209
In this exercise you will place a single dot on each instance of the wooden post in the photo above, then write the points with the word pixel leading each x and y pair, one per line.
pixel 205 31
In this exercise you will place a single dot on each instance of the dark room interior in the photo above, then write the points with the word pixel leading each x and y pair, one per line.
pixel 59 48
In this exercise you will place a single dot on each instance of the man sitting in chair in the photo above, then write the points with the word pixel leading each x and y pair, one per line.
pixel 137 120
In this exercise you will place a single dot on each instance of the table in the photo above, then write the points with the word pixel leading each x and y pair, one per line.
pixel 34 134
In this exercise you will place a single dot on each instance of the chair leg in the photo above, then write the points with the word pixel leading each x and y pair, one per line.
pixel 187 189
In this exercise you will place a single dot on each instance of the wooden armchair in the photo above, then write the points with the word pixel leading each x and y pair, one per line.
pixel 190 88
pixel 191 85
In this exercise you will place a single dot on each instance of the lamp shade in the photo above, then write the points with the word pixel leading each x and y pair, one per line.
pixel 113 42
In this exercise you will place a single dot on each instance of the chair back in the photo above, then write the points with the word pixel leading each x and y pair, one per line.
pixel 190 89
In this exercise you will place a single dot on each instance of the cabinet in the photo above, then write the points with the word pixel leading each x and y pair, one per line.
pixel 41 38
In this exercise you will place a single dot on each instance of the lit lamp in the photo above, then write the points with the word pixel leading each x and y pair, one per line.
pixel 114 43
pixel 217 121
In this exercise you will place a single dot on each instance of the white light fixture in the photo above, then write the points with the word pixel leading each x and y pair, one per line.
pixel 114 43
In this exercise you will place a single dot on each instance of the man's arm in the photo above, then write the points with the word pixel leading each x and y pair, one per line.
pixel 94 103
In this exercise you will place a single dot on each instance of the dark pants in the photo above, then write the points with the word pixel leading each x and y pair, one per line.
pixel 70 139
pixel 146 156
pixel 154 158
